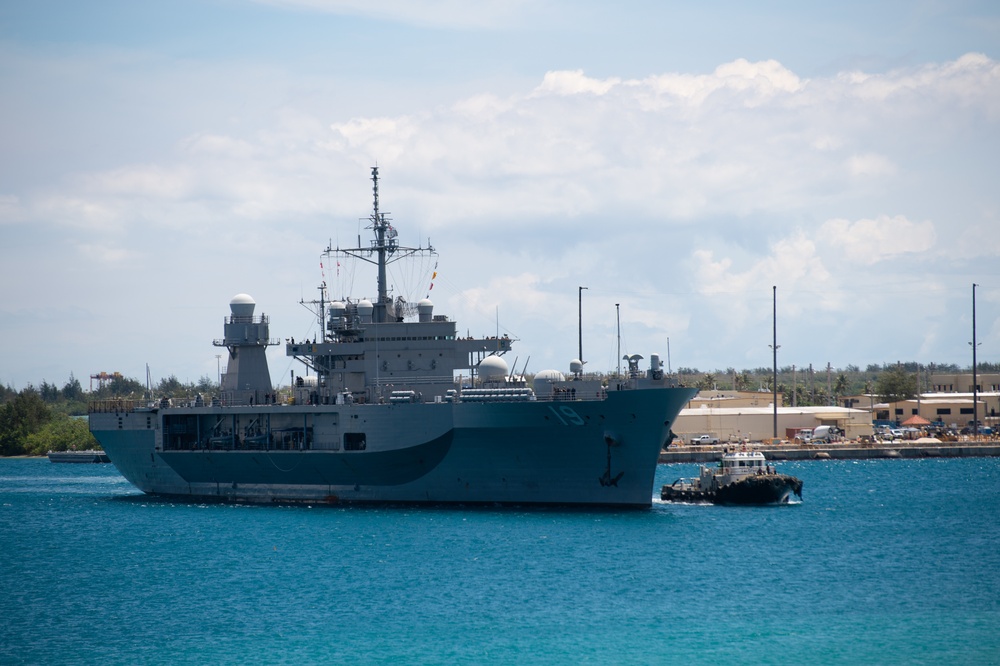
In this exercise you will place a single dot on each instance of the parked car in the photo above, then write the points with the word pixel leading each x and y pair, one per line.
pixel 704 440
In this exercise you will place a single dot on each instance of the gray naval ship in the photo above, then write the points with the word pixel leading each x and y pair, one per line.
pixel 395 406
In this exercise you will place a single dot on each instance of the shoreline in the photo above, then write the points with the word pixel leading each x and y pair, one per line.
pixel 848 451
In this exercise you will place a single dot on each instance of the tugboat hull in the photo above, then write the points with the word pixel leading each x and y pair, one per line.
pixel 761 489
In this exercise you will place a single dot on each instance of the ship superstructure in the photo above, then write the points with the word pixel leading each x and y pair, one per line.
pixel 395 406
pixel 369 352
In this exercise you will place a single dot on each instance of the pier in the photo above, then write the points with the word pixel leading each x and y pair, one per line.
pixel 842 451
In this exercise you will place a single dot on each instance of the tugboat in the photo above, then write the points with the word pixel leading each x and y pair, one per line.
pixel 742 477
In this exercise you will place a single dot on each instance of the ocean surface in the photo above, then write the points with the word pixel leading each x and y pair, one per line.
pixel 883 562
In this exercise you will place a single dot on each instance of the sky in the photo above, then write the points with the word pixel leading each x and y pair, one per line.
pixel 703 169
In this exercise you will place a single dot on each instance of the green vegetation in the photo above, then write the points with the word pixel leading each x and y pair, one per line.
pixel 30 426
pixel 818 386
pixel 34 421
pixel 896 384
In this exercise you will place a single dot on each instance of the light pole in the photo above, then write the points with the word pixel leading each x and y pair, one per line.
pixel 774 349
pixel 218 370
pixel 975 377
pixel 580 323
pixel 618 317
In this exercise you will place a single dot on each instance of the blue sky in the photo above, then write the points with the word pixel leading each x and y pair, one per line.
pixel 678 159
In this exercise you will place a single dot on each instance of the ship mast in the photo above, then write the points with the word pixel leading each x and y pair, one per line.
pixel 385 244
pixel 385 248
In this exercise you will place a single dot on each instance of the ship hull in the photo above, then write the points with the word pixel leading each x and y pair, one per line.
pixel 597 452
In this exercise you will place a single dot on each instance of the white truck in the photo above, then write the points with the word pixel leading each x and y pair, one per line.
pixel 825 433
pixel 704 440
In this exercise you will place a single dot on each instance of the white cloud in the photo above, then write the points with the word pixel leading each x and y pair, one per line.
pixel 684 197
pixel 792 262
pixel 869 241
pixel 870 165
pixel 574 83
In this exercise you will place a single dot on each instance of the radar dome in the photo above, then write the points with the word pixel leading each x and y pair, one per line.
pixel 576 366
pixel 425 310
pixel 545 380
pixel 550 376
pixel 492 368
pixel 242 305
pixel 365 309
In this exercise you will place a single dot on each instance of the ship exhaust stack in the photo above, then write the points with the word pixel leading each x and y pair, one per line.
pixel 247 379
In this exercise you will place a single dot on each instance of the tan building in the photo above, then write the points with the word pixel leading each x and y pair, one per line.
pixel 962 383
pixel 953 409
pixel 757 423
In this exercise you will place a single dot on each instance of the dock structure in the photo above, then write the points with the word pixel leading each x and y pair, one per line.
pixel 843 451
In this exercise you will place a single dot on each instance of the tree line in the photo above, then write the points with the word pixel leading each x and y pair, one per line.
pixel 45 418
pixel 888 382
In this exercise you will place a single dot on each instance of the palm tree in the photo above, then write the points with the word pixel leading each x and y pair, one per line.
pixel 707 382
pixel 743 381
pixel 841 385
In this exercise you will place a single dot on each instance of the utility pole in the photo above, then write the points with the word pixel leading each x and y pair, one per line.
pixel 795 387
pixel 975 377
pixel 774 349
pixel 618 317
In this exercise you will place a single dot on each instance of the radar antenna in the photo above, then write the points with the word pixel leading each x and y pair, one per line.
pixel 384 248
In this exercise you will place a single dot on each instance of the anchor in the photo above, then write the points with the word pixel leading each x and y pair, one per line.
pixel 606 479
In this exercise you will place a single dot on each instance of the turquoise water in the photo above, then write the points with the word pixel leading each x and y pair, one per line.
pixel 889 562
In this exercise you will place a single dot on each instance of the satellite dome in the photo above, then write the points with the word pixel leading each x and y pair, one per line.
pixel 242 305
pixel 365 309
pixel 550 376
pixel 338 308
pixel 492 368
pixel 576 366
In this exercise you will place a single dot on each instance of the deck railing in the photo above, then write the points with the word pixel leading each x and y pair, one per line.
pixel 116 405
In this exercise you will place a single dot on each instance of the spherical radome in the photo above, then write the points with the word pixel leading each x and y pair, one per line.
pixel 242 305
pixel 550 376
pixel 492 367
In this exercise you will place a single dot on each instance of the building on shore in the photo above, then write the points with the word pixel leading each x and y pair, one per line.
pixel 962 382
pixel 952 408
pixel 955 410
pixel 734 423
